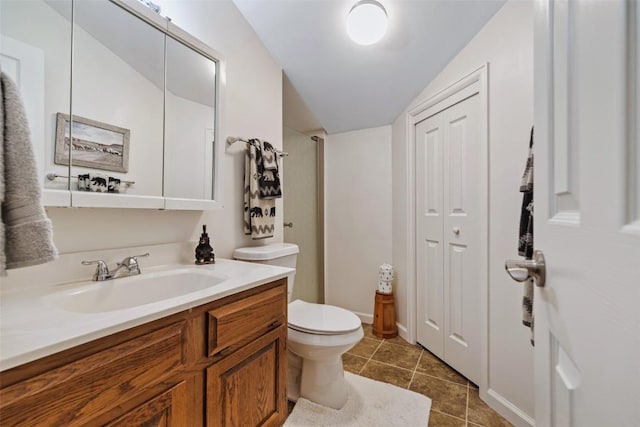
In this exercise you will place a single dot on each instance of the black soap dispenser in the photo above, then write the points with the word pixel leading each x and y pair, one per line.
pixel 204 251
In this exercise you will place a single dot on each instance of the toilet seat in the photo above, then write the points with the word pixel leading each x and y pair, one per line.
pixel 321 319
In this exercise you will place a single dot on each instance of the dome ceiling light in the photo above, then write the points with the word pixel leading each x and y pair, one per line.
pixel 367 22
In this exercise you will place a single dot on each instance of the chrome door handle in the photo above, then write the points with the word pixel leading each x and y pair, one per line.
pixel 522 270
pixel 288 224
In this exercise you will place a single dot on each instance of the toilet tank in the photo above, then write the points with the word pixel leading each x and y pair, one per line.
pixel 280 254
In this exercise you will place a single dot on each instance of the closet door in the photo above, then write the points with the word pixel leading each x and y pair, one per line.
pixel 464 251
pixel 451 225
pixel 429 226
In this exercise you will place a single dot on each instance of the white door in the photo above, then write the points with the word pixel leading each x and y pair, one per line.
pixel 587 213
pixel 450 250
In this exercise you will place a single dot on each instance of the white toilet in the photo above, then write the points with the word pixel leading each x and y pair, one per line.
pixel 318 335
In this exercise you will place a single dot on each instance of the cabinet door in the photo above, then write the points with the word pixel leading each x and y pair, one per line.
pixel 86 389
pixel 248 388
pixel 164 410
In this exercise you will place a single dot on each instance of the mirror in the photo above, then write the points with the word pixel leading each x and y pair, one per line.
pixel 190 123
pixel 141 128
pixel 118 95
pixel 35 51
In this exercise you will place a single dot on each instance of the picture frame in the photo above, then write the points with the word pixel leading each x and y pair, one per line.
pixel 95 144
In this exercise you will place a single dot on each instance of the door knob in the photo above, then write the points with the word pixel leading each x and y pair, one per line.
pixel 522 270
pixel 288 224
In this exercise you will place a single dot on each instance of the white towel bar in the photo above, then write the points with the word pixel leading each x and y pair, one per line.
pixel 233 139
pixel 51 176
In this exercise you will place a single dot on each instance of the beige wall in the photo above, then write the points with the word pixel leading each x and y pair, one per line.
pixel 506 43
pixel 357 216
pixel 253 108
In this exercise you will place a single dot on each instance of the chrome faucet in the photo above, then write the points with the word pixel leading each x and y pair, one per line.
pixel 128 267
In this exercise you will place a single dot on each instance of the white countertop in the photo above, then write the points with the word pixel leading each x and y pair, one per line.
pixel 31 327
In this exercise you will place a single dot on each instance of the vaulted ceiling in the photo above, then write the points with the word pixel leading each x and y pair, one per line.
pixel 347 86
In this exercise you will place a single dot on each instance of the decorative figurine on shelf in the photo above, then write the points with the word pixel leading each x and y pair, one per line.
pixel 204 251
pixel 385 277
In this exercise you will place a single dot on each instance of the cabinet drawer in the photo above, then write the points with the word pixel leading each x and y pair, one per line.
pixel 79 391
pixel 247 318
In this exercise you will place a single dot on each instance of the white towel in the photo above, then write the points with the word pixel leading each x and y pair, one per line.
pixel 259 214
pixel 26 234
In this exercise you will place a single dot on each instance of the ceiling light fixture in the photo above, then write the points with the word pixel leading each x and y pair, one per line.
pixel 367 22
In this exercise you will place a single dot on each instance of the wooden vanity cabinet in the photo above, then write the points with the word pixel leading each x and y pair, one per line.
pixel 220 364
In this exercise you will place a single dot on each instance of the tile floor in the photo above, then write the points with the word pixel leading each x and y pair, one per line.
pixel 454 399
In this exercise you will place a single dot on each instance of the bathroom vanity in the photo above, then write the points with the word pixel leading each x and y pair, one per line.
pixel 218 363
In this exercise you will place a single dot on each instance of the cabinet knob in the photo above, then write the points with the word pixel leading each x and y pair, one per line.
pixel 456 231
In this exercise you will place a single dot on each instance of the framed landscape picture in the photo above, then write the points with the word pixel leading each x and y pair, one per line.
pixel 93 144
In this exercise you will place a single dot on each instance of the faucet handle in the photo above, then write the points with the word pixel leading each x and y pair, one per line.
pixel 131 262
pixel 102 270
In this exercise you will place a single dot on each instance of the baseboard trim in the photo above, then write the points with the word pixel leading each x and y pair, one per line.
pixel 508 410
pixel 365 318
pixel 368 319
pixel 404 334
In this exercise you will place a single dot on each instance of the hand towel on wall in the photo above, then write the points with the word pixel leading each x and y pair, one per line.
pixel 26 234
pixel 259 214
pixel 270 187
pixel 525 242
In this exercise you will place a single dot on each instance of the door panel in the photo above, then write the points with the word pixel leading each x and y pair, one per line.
pixel 456 291
pixel 587 326
pixel 456 144
pixel 433 296
pixel 433 169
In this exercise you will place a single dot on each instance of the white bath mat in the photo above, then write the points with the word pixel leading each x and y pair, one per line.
pixel 370 404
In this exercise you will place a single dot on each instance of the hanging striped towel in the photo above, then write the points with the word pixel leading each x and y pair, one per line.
pixel 259 214
pixel 269 177
pixel 525 242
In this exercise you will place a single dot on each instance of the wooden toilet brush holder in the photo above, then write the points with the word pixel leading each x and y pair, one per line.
pixel 384 316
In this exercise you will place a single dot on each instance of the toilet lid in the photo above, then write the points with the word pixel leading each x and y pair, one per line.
pixel 321 319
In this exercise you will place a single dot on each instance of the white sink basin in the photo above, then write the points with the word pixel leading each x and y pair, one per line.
pixel 128 292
